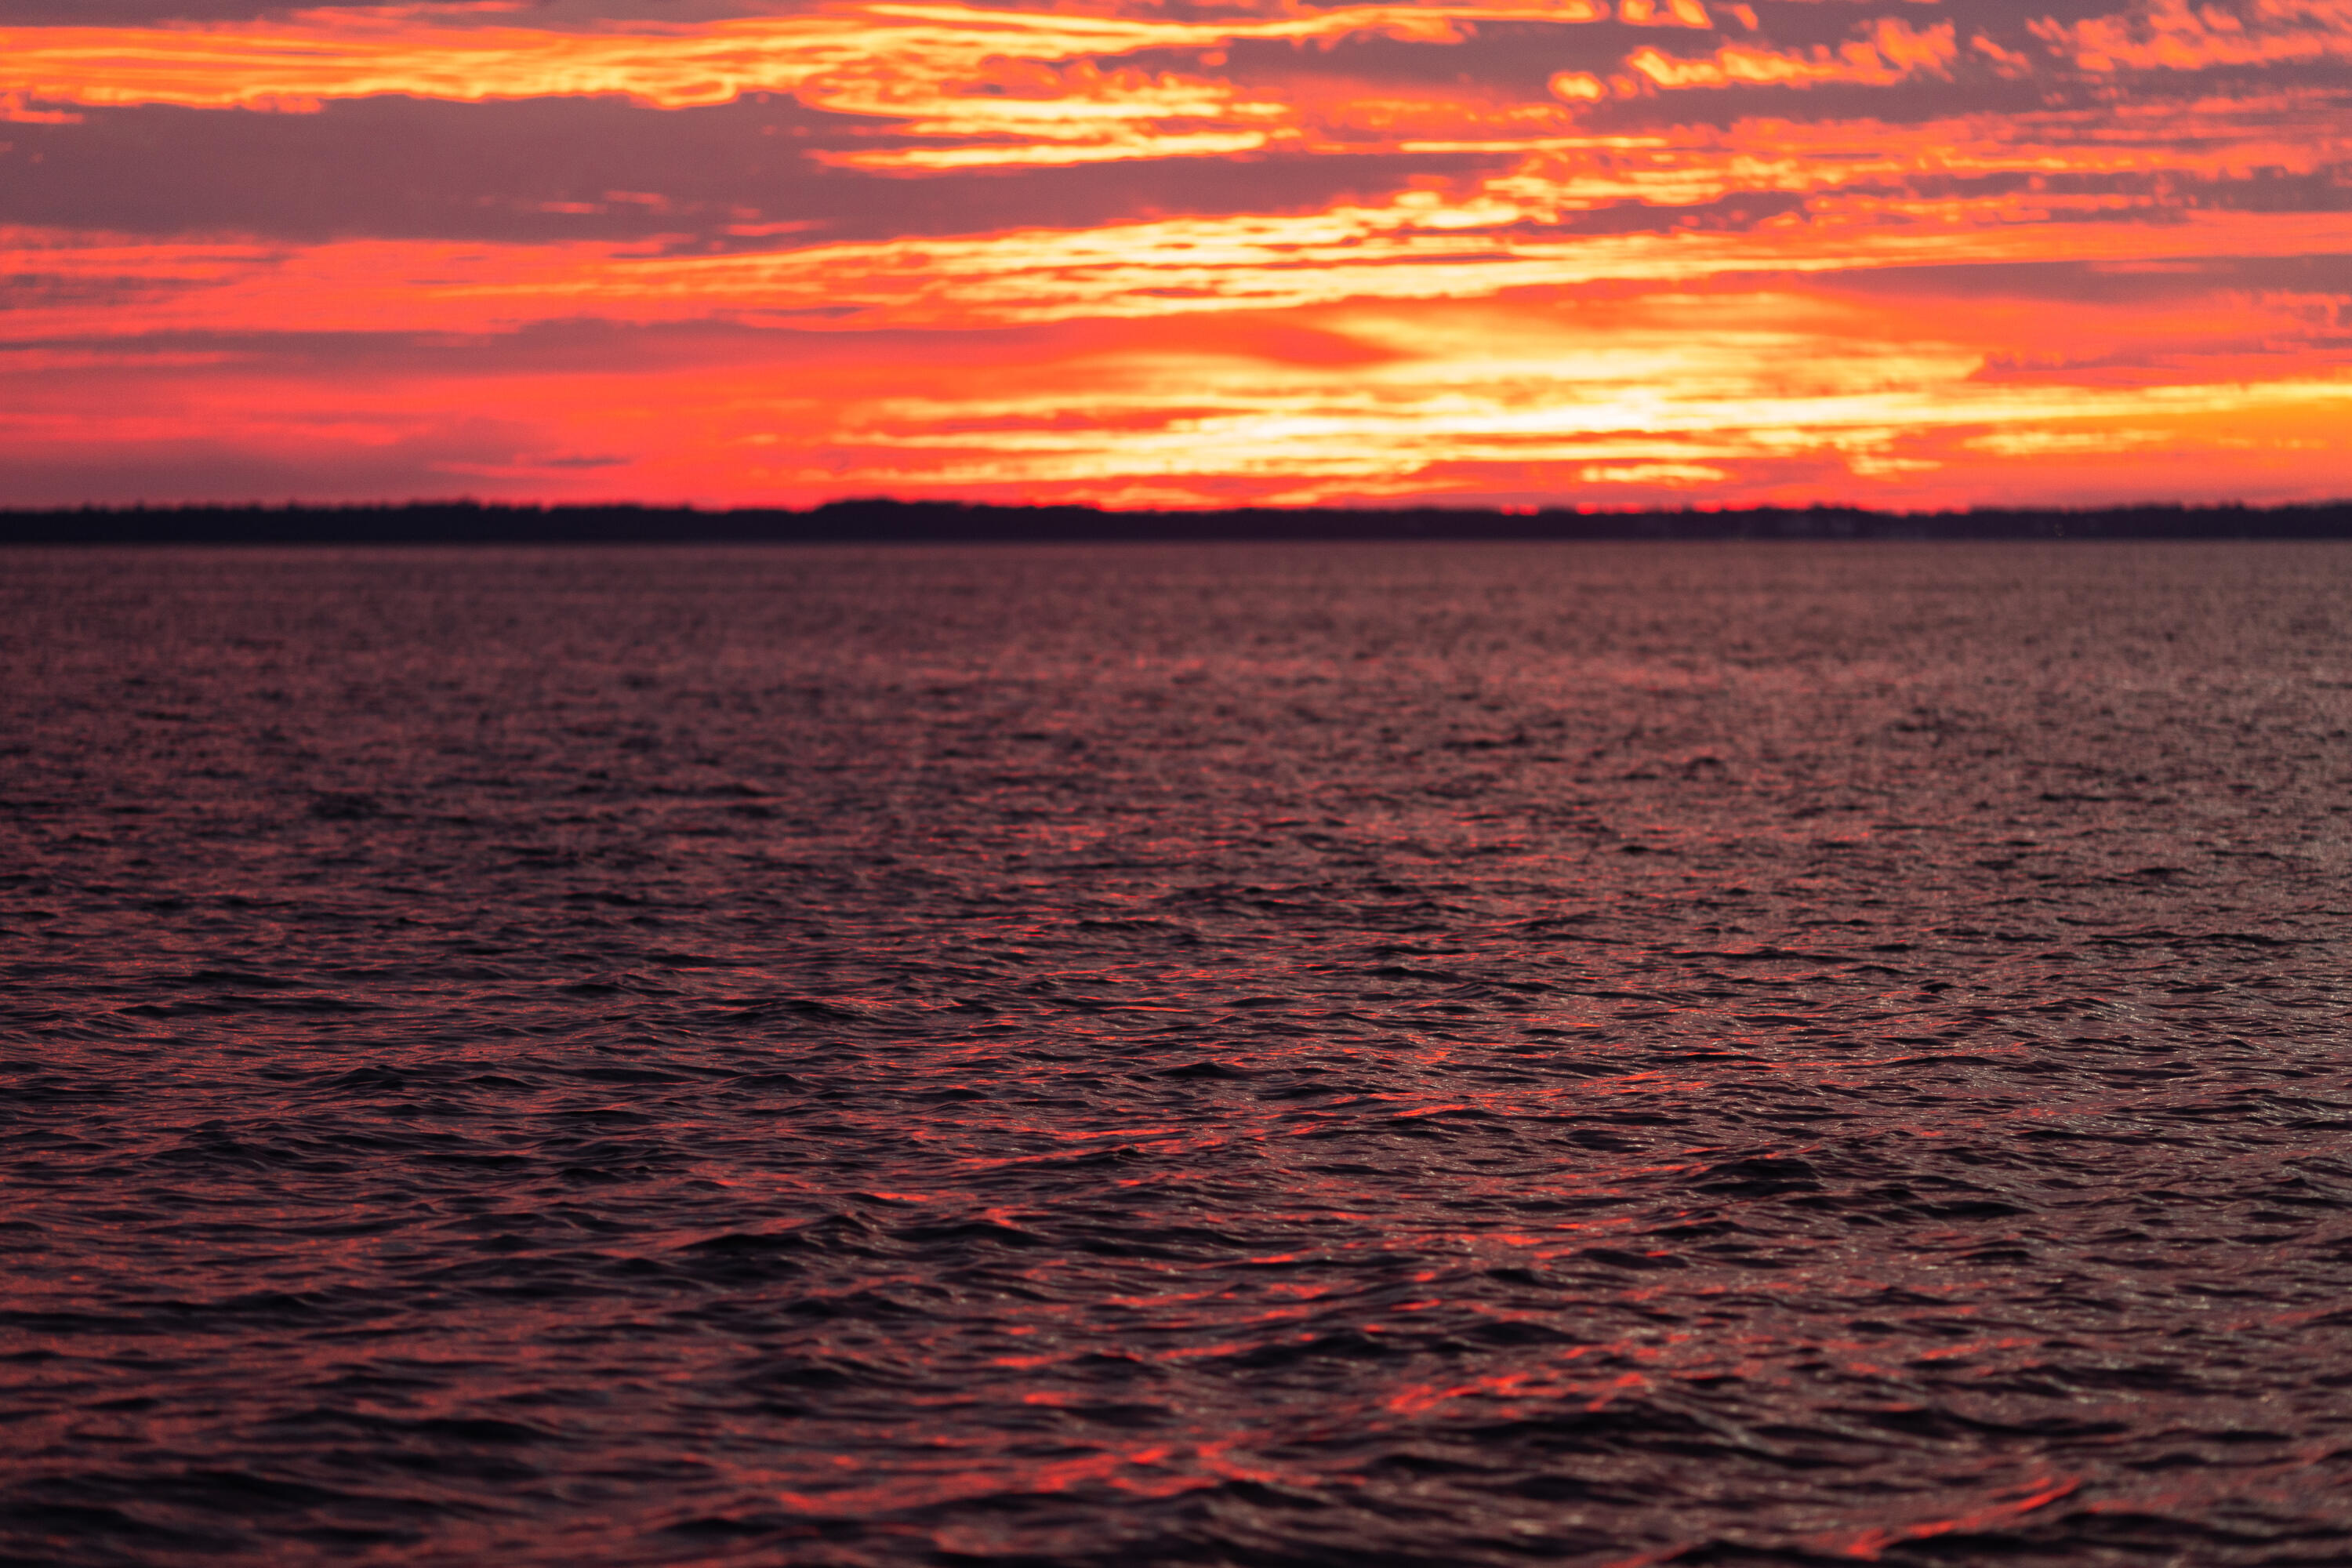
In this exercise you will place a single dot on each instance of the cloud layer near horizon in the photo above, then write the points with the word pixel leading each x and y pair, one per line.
pixel 1644 252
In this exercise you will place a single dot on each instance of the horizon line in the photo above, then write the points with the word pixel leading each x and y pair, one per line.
pixel 886 521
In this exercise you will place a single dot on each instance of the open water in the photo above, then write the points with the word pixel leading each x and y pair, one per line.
pixel 1258 1055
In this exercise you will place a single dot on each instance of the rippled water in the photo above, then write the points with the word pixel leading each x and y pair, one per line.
pixel 1257 1056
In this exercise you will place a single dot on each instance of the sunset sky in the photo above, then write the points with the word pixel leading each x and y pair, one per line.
pixel 1904 253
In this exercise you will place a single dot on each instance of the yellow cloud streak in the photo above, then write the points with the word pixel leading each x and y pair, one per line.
pixel 1418 246
pixel 1609 400
pixel 1191 264
pixel 1654 389
pixel 1286 430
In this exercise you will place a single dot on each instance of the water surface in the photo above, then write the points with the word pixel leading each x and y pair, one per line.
pixel 1124 1056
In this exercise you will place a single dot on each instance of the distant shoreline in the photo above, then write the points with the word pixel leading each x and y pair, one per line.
pixel 951 523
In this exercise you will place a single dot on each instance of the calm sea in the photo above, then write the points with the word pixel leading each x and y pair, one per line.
pixel 1254 1057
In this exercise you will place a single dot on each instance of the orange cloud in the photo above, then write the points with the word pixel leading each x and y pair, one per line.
pixel 2174 35
pixel 1010 87
pixel 1892 51
pixel 875 57
pixel 1016 88
pixel 16 110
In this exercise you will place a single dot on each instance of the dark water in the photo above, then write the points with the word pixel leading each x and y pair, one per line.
pixel 1260 1056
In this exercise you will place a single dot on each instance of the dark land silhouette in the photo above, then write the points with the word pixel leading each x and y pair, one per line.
pixel 897 521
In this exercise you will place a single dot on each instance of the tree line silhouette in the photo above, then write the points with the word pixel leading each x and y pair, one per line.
pixel 456 522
